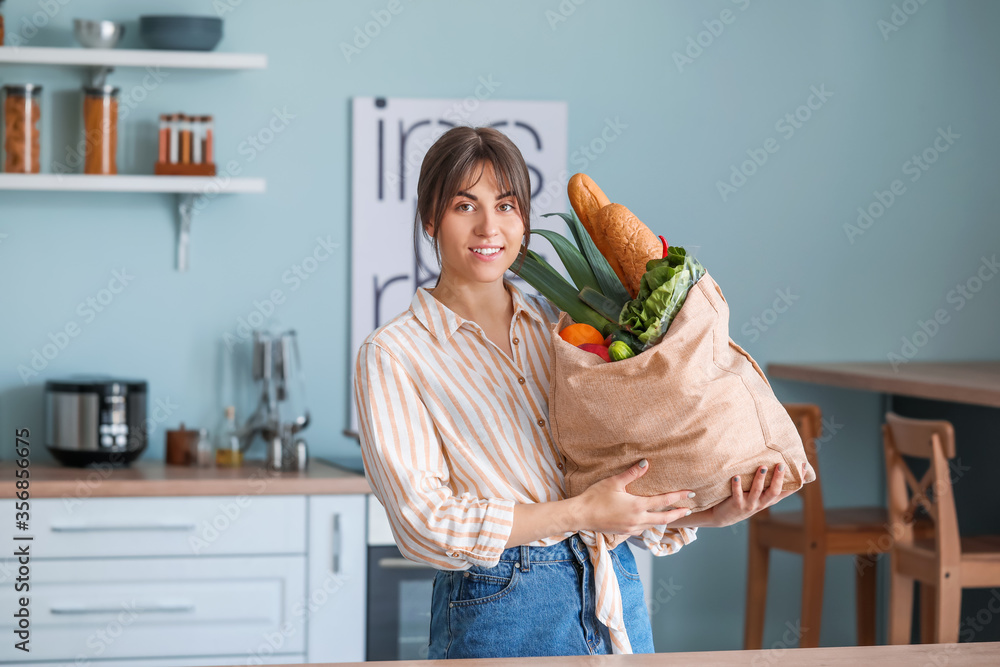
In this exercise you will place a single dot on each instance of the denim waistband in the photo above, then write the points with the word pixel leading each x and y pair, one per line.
pixel 570 549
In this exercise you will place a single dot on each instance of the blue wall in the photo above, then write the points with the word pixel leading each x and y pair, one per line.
pixel 685 124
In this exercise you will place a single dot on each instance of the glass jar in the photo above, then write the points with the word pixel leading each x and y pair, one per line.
pixel 100 126
pixel 22 143
pixel 228 453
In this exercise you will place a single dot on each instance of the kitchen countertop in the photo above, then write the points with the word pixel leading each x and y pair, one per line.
pixel 155 478
pixel 973 654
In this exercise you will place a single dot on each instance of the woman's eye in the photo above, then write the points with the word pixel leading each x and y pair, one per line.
pixel 462 206
pixel 510 207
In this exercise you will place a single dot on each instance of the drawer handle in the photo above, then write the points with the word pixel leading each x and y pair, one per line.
pixel 155 606
pixel 335 546
pixel 401 563
pixel 93 528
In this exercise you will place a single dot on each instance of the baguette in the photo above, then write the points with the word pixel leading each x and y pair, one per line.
pixel 587 200
pixel 630 241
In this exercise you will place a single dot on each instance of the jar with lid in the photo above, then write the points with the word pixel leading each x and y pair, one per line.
pixel 22 142
pixel 100 126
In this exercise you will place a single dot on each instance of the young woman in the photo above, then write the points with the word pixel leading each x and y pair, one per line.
pixel 452 407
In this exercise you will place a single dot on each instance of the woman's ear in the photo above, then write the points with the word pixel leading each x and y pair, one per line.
pixel 429 229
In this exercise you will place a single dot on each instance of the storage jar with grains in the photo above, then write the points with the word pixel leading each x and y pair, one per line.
pixel 100 125
pixel 22 142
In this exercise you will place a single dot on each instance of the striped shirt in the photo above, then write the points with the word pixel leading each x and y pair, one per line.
pixel 454 433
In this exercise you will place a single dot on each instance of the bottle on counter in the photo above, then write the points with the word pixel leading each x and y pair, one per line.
pixel 227 441
pixel 203 450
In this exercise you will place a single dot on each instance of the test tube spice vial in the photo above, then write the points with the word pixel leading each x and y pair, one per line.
pixel 185 139
pixel 174 128
pixel 197 128
pixel 209 139
pixel 164 143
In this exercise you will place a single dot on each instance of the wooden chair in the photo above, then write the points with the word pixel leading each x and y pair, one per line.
pixel 944 564
pixel 815 533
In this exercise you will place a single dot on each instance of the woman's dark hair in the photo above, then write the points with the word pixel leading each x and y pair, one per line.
pixel 452 163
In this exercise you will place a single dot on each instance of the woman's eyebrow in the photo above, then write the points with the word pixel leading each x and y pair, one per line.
pixel 463 193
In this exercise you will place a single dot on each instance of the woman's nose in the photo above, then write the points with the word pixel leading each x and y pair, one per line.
pixel 488 224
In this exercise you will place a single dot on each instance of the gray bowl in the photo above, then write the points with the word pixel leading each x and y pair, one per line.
pixel 98 34
pixel 181 33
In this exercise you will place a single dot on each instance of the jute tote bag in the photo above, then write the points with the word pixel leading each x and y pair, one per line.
pixel 696 405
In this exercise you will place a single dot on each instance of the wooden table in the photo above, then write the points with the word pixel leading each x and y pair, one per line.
pixel 973 654
pixel 972 382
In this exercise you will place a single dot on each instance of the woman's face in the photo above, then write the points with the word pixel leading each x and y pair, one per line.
pixel 480 233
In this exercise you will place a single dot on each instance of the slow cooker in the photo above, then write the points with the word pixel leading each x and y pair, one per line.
pixel 91 419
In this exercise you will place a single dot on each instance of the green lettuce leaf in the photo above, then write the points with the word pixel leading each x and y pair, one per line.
pixel 662 292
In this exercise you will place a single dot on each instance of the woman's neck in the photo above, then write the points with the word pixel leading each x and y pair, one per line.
pixel 485 304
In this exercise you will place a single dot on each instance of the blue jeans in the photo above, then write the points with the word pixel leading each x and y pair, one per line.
pixel 537 601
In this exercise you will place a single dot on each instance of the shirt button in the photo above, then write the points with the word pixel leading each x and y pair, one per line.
pixel 559 465
pixel 516 341
pixel 541 422
pixel 520 380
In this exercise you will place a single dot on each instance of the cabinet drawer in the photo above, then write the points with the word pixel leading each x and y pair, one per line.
pixel 189 526
pixel 105 609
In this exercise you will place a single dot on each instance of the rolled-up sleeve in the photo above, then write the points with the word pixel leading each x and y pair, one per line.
pixel 409 473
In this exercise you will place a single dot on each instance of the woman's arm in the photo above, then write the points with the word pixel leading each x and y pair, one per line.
pixel 605 507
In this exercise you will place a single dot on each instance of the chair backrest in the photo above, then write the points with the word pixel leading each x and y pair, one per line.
pixel 808 420
pixel 934 441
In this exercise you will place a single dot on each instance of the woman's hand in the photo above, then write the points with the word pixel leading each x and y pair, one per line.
pixel 740 506
pixel 606 506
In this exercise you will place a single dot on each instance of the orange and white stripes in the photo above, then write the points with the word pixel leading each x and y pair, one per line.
pixel 454 433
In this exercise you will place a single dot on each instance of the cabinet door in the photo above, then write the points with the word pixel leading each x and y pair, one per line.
pixel 87 609
pixel 337 579
pixel 182 526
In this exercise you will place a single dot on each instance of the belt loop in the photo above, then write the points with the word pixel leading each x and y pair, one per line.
pixel 524 558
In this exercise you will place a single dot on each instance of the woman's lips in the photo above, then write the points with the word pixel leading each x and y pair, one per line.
pixel 487 258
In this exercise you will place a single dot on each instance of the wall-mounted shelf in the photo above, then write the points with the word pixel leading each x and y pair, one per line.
pixel 102 62
pixel 80 57
pixel 168 184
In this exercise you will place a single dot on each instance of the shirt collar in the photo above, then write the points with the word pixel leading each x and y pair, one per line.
pixel 442 322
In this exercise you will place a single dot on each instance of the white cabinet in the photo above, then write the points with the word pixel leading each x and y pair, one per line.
pixel 191 580
pixel 337 568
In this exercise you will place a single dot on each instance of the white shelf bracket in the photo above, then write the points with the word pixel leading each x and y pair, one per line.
pixel 185 212
pixel 99 75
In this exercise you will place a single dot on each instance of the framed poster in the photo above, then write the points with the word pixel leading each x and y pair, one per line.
pixel 389 139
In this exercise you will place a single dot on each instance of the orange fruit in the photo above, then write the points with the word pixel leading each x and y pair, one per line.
pixel 581 334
